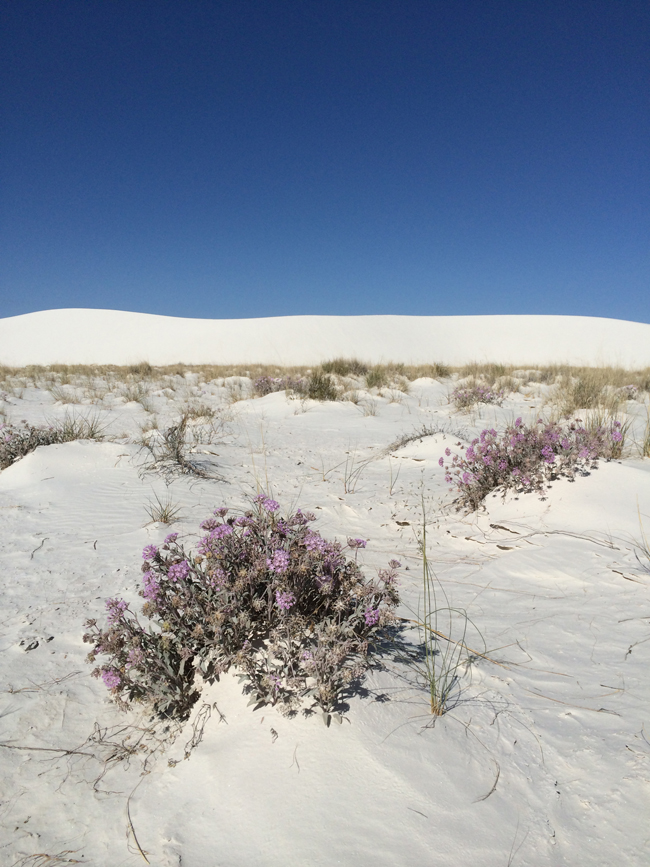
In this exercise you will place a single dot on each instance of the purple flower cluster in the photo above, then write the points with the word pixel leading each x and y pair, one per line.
pixel 115 608
pixel 111 678
pixel 135 657
pixel 265 593
pixel 526 458
pixel 279 562
pixel 466 396
pixel 178 571
pixel 372 617
pixel 266 503
pixel 150 585
pixel 284 599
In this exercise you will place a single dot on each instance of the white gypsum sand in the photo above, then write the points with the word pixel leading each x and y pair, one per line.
pixel 80 336
pixel 543 758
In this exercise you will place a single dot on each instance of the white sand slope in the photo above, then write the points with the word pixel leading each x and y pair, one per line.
pixel 79 336
pixel 544 758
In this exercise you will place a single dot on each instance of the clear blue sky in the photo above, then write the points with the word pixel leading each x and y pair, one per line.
pixel 266 157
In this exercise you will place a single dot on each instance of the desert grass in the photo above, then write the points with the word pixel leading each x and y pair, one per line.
pixel 566 389
pixel 346 366
pixel 644 445
pixel 443 632
pixel 64 394
pixel 162 511
pixel 642 548
pixel 199 410
pixel 75 426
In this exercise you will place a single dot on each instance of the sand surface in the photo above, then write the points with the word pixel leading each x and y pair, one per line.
pixel 543 758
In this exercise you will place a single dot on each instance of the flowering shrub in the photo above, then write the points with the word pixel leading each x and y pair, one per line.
pixel 18 440
pixel 466 396
pixel 526 458
pixel 265 594
pixel 264 385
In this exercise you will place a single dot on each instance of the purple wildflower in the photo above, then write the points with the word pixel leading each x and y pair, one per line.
pixel 111 678
pixel 179 571
pixel 151 586
pixel 279 562
pixel 221 531
pixel 314 542
pixel 149 552
pixel 372 616
pixel 115 608
pixel 284 599
pixel 135 658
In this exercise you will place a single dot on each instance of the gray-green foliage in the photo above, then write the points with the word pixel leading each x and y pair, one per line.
pixel 18 440
pixel 266 595
pixel 322 387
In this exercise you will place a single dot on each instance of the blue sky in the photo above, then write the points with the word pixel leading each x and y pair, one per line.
pixel 267 158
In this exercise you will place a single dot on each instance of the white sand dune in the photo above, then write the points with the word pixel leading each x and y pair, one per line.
pixel 544 758
pixel 80 336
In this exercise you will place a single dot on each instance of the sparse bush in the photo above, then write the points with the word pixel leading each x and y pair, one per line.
pixel 526 458
pixel 266 595
pixel 172 448
pixel 470 394
pixel 322 387
pixel 264 385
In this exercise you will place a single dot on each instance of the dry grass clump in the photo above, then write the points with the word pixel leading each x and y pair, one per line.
pixel 345 367
pixel 606 388
pixel 488 372
pixel 64 394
